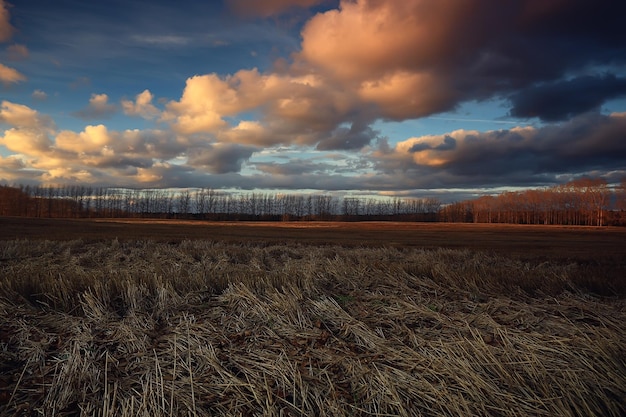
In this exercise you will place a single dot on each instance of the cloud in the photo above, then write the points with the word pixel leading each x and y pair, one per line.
pixel 10 76
pixel 104 154
pixel 220 158
pixel 365 61
pixel 343 138
pixel 419 57
pixel 522 156
pixel 205 100
pixel 39 95
pixel 142 106
pixel 447 144
pixel 98 108
pixel 292 108
pixel 26 141
pixel 14 170
pixel 250 133
pixel 10 163
pixel 561 100
pixel 17 52
pixel 269 7
pixel 372 60
pixel 93 139
pixel 30 132
pixel 161 40
pixel 587 142
pixel 21 116
pixel 99 146
pixel 298 167
pixel 6 30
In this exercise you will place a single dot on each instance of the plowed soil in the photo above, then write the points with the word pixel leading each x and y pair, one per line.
pixel 566 242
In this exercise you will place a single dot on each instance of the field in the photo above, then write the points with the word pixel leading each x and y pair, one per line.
pixel 173 318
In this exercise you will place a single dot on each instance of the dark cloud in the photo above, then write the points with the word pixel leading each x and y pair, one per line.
pixel 117 162
pixel 561 100
pixel 343 138
pixel 294 167
pixel 519 156
pixel 220 158
pixel 448 143
pixel 538 41
pixel 585 143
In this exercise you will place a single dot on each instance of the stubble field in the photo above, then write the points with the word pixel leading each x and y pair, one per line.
pixel 164 318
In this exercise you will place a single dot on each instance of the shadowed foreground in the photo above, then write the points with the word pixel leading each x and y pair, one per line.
pixel 203 328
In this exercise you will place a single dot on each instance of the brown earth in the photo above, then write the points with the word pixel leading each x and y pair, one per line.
pixel 560 242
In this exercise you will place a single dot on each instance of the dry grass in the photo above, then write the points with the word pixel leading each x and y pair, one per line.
pixel 198 328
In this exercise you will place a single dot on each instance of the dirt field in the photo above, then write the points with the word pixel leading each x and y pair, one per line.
pixel 166 318
pixel 562 242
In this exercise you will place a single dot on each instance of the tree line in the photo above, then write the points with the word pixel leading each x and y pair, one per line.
pixel 584 202
pixel 81 201
pixel 587 201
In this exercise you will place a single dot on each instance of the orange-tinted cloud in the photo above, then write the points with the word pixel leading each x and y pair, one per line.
pixel 413 58
pixel 94 138
pixel 142 106
pixel 30 131
pixel 10 75
pixel 372 60
pixel 6 30
pixel 21 116
pixel 26 141
pixel 301 109
pixel 205 100
pixel 397 55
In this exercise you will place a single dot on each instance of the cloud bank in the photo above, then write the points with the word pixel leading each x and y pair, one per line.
pixel 308 121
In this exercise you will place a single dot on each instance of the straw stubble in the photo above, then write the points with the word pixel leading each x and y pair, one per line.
pixel 201 328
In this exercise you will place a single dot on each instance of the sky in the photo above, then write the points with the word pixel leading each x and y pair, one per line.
pixel 407 98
